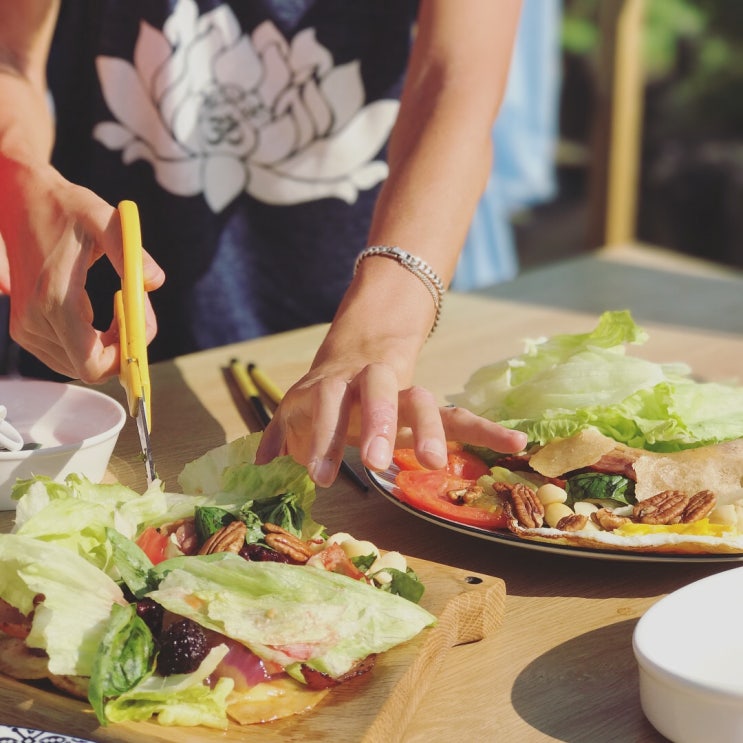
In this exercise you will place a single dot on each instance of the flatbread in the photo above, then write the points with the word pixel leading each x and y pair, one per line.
pixel 576 452
pixel 717 467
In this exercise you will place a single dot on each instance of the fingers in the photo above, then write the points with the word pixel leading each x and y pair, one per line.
pixel 377 392
pixel 311 424
pixel 327 437
pixel 154 276
pixel 463 425
pixel 272 442
pixel 107 224
pixel 96 362
pixel 422 415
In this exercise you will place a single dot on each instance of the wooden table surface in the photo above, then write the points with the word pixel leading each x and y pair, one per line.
pixel 561 667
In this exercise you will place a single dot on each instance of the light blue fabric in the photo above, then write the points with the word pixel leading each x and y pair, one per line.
pixel 524 139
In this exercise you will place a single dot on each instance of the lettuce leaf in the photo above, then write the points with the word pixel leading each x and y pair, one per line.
pixel 70 621
pixel 181 699
pixel 567 383
pixel 324 619
pixel 125 656
pixel 232 481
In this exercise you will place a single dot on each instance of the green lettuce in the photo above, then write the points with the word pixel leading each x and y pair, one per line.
pixel 70 621
pixel 234 483
pixel 324 619
pixel 73 543
pixel 125 656
pixel 183 699
pixel 567 383
pixel 205 474
pixel 77 513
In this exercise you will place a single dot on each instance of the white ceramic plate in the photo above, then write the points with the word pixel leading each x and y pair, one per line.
pixel 13 734
pixel 689 648
pixel 384 482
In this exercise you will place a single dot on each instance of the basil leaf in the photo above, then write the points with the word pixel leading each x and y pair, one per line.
pixel 254 534
pixel 598 486
pixel 210 519
pixel 125 656
pixel 284 510
pixel 134 567
pixel 406 584
pixel 364 562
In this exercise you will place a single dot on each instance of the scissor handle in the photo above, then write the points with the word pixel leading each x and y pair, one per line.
pixel 129 306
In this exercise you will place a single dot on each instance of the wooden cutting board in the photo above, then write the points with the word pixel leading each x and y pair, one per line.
pixel 374 708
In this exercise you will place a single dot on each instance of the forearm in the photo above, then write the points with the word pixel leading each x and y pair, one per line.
pixel 439 157
pixel 26 122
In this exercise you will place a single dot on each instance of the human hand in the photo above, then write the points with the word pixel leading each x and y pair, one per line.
pixel 323 412
pixel 53 232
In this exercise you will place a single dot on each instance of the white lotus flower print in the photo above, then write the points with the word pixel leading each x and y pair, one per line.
pixel 218 112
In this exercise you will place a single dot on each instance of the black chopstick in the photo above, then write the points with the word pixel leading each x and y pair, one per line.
pixel 267 386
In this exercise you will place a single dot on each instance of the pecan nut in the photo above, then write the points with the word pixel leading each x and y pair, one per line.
pixel 608 520
pixel 229 538
pixel 286 543
pixel 700 506
pixel 524 506
pixel 464 496
pixel 572 522
pixel 664 508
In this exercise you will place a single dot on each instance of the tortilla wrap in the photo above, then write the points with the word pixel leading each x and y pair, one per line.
pixel 717 467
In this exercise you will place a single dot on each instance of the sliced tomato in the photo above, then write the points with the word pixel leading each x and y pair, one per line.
pixel 153 543
pixel 465 464
pixel 460 462
pixel 427 490
pixel 405 459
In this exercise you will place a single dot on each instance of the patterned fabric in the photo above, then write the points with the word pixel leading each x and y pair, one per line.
pixel 14 734
pixel 252 137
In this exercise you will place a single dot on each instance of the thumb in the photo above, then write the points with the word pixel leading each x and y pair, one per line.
pixel 112 246
pixel 154 276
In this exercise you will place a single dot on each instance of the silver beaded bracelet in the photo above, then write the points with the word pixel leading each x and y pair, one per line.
pixel 417 266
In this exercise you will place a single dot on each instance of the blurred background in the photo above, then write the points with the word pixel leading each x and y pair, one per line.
pixel 622 122
pixel 655 88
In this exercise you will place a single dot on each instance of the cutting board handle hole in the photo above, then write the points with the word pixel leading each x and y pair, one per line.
pixel 473 579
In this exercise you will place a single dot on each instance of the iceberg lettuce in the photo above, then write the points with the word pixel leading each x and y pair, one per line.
pixel 70 621
pixel 232 480
pixel 77 512
pixel 181 699
pixel 290 614
pixel 561 385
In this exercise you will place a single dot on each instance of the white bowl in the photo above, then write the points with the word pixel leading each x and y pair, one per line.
pixel 689 647
pixel 76 427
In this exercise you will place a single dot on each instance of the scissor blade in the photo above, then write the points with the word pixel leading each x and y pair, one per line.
pixel 144 440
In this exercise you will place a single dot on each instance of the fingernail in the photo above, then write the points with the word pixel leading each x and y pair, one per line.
pixel 437 449
pixel 379 453
pixel 322 472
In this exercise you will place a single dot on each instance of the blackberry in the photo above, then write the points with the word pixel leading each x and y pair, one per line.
pixel 182 648
pixel 259 553
pixel 152 615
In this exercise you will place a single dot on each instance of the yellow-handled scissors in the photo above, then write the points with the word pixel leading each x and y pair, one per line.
pixel 129 309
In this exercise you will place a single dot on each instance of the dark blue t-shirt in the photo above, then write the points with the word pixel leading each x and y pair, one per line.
pixel 252 137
